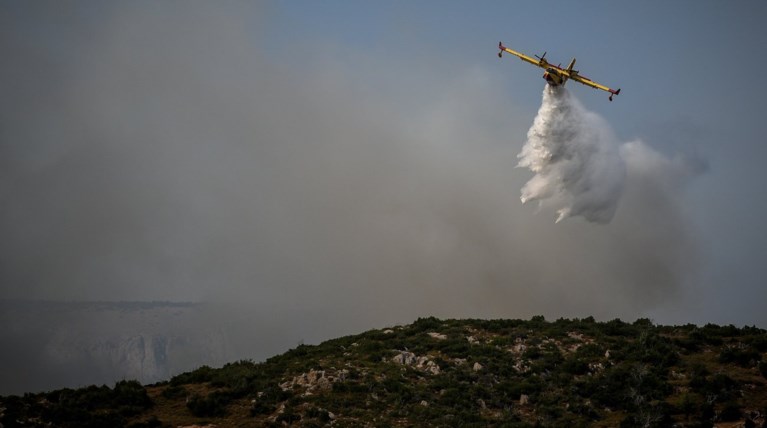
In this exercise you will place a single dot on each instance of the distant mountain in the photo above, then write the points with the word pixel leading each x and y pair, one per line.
pixel 55 344
pixel 450 373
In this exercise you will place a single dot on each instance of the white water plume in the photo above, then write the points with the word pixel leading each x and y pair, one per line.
pixel 575 158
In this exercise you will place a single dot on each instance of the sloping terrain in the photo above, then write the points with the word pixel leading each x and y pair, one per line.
pixel 445 373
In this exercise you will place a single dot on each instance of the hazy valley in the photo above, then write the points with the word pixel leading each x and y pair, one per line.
pixel 67 344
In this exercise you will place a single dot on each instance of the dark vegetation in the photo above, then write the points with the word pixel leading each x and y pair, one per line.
pixel 505 373
pixel 94 406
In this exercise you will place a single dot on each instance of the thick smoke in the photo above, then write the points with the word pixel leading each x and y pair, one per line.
pixel 574 156
pixel 170 153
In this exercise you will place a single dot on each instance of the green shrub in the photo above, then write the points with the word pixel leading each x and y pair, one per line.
pixel 575 366
pixel 759 343
pixel 742 356
pixel 174 391
pixel 212 405
pixel 200 375
pixel 617 327
pixel 130 393
pixel 320 414
pixel 719 385
pixel 426 324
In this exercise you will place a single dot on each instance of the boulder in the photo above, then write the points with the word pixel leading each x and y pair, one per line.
pixel 437 336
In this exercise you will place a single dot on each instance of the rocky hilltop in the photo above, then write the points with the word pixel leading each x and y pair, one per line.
pixel 446 373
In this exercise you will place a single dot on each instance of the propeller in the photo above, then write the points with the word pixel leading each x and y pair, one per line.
pixel 542 56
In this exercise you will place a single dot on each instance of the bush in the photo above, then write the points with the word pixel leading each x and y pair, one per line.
pixel 130 393
pixel 742 356
pixel 426 324
pixel 200 375
pixel 288 417
pixel 617 327
pixel 532 353
pixel 320 414
pixel 174 391
pixel 763 368
pixel 759 343
pixel 95 406
pixel 262 408
pixel 704 336
pixel 719 385
pixel 731 412
pixel 212 405
pixel 575 366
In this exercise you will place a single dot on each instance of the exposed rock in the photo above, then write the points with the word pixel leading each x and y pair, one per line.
pixel 524 400
pixel 423 363
pixel 406 358
pixel 432 368
pixel 518 348
pixel 575 335
pixel 437 336
pixel 314 380
pixel 572 348
pixel 477 367
pixel 521 367
pixel 596 367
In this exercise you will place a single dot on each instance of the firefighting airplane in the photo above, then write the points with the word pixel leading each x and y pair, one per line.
pixel 555 75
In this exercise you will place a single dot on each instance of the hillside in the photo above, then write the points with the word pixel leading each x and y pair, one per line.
pixel 436 373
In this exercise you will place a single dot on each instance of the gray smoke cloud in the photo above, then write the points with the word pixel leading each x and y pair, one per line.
pixel 574 155
pixel 156 152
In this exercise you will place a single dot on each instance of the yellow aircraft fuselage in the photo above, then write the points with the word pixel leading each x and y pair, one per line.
pixel 556 75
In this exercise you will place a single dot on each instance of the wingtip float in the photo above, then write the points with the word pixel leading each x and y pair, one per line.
pixel 555 75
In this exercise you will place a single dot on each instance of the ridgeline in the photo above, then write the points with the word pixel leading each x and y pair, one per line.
pixel 451 373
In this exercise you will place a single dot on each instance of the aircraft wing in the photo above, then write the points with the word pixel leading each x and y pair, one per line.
pixel 521 56
pixel 588 82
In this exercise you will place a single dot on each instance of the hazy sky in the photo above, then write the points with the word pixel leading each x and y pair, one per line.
pixel 336 166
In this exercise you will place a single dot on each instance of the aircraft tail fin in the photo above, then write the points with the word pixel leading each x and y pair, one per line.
pixel 570 67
